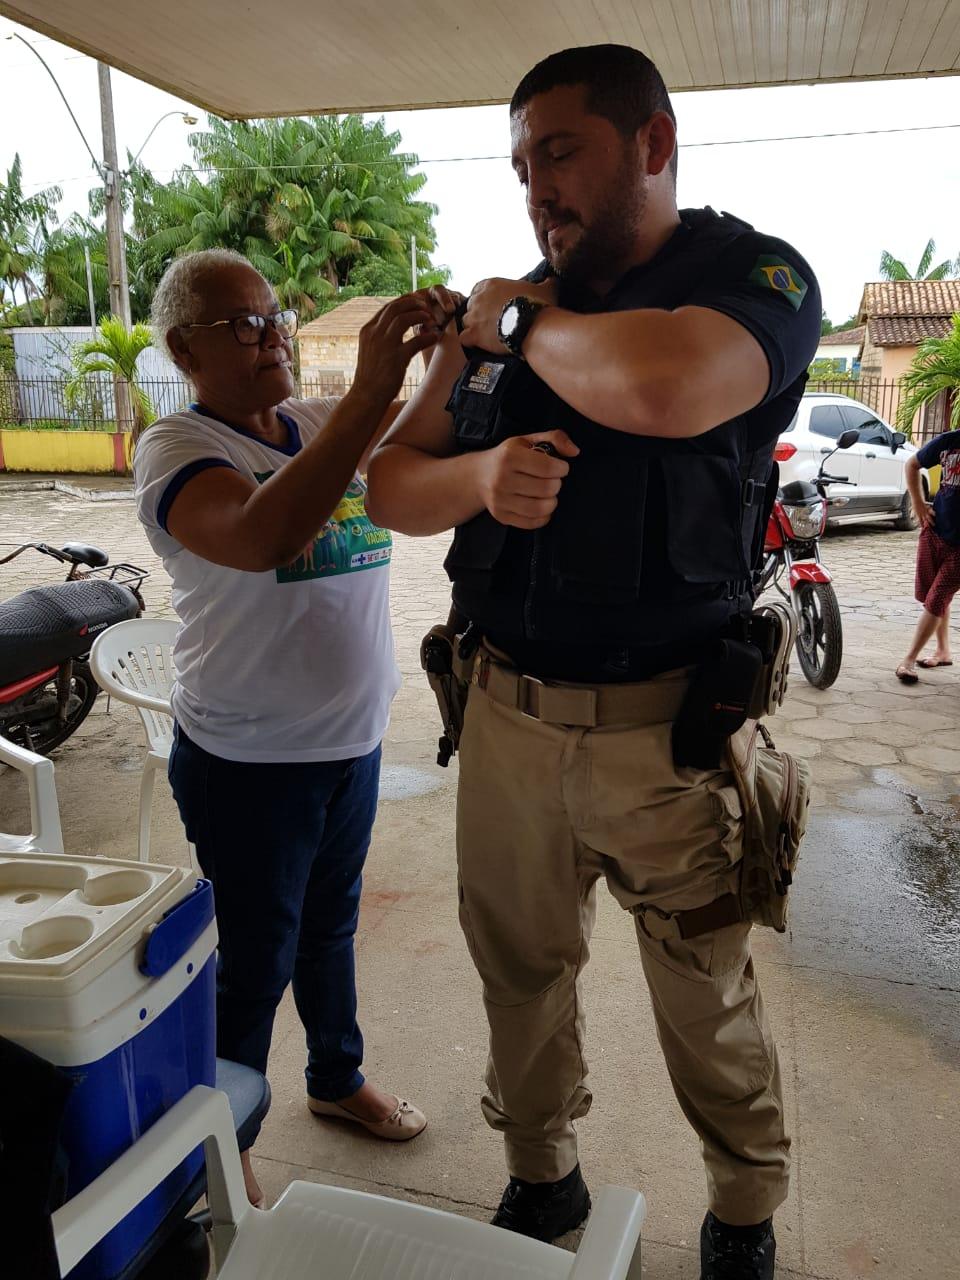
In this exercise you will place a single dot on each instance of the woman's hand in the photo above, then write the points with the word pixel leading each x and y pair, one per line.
pixel 385 353
pixel 924 513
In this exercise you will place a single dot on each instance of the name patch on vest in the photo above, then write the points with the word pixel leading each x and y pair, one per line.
pixel 484 378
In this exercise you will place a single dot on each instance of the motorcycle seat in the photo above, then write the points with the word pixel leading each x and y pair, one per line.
pixel 83 553
pixel 43 626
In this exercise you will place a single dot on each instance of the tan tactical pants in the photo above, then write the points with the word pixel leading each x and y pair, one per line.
pixel 544 811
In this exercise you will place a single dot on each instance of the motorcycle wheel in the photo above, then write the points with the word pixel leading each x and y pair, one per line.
pixel 819 633
pixel 43 736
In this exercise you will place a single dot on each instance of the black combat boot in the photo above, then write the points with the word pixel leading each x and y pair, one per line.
pixel 736 1253
pixel 544 1210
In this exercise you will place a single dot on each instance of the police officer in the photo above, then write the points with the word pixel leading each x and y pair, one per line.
pixel 659 354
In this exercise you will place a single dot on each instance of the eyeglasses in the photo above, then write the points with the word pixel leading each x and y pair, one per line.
pixel 250 331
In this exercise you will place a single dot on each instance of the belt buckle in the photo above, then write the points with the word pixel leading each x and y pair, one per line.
pixel 524 682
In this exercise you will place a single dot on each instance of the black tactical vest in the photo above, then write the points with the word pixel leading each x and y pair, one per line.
pixel 582 579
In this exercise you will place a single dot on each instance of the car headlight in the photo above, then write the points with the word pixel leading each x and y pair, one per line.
pixel 807 521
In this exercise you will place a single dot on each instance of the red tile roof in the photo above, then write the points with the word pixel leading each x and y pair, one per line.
pixel 906 331
pixel 344 321
pixel 844 337
pixel 901 313
pixel 911 298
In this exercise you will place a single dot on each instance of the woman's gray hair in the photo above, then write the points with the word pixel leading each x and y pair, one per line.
pixel 178 297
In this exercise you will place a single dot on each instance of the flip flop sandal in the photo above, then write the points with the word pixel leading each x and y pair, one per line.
pixel 906 676
pixel 930 664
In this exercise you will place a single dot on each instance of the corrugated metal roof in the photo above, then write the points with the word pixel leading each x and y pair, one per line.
pixel 314 55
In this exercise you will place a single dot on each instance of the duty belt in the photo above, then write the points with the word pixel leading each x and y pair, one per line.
pixel 654 701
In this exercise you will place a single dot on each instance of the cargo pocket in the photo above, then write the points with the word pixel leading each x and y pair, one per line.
pixel 478 403
pixel 596 534
pixel 728 815
pixel 476 547
pixel 703 503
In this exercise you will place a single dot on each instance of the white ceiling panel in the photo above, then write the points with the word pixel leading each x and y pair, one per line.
pixel 240 59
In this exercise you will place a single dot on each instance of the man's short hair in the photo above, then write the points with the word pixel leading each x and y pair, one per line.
pixel 622 84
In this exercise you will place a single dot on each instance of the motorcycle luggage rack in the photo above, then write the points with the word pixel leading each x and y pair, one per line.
pixel 124 574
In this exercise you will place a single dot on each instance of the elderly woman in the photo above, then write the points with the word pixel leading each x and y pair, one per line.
pixel 284 657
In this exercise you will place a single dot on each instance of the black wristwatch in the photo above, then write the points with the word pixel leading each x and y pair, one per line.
pixel 515 321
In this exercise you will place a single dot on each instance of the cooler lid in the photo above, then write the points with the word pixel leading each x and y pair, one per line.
pixel 58 912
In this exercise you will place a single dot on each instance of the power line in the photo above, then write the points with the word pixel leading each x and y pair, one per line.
pixel 394 160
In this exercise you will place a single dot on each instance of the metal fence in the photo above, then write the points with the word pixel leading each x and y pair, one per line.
pixel 43 402
pixel 884 398
pixel 40 403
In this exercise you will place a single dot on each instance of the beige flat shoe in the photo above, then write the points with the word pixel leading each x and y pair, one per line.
pixel 405 1123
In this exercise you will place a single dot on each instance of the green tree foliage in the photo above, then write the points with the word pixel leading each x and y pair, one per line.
pixel 935 368
pixel 24 226
pixel 308 201
pixel 114 350
pixel 311 202
pixel 374 277
pixel 892 268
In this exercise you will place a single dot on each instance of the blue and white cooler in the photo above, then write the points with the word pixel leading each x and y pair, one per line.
pixel 107 971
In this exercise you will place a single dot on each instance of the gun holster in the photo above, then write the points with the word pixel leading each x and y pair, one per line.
pixel 744 678
pixel 446 655
pixel 715 705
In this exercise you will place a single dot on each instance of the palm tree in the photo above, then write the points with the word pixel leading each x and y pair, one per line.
pixel 114 350
pixel 304 199
pixel 892 268
pixel 61 261
pixel 24 223
pixel 935 368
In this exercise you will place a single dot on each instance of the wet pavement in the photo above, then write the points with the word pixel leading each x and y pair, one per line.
pixel 863 989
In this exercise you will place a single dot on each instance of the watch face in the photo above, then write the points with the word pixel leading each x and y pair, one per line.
pixel 509 319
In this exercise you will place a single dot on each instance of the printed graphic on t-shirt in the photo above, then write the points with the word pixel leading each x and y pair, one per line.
pixel 348 543
pixel 950 474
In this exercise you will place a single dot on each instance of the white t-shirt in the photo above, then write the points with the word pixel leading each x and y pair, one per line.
pixel 290 664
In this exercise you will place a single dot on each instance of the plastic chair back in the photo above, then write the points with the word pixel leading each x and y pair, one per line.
pixel 133 661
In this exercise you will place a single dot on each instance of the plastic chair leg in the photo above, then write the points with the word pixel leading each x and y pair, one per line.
pixel 146 806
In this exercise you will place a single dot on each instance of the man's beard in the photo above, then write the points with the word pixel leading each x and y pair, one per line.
pixel 605 247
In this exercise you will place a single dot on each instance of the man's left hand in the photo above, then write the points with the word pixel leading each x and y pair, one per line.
pixel 487 301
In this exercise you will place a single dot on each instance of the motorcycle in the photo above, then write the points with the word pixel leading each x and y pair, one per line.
pixel 46 686
pixel 792 546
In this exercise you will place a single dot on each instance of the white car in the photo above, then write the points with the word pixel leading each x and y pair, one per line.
pixel 874 467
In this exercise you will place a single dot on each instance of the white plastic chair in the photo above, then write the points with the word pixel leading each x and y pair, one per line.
pixel 132 661
pixel 316 1230
pixel 45 833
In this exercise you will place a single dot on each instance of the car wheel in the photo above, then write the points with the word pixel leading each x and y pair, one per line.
pixel 906 520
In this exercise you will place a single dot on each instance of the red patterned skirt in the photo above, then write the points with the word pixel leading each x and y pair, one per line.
pixel 938 572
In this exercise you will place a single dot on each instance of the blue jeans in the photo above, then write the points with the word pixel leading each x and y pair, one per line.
pixel 284 845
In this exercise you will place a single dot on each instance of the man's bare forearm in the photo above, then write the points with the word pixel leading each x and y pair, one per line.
pixel 649 372
pixel 419 494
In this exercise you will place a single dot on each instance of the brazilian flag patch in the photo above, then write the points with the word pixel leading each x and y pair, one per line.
pixel 773 273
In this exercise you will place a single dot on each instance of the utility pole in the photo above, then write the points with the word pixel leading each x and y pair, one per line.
pixel 116 248
pixel 413 263
pixel 90 298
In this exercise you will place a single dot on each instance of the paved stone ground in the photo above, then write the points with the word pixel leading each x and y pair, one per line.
pixel 864 989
